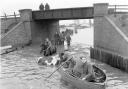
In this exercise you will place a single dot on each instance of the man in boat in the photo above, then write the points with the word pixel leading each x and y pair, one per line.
pixel 46 47
pixel 64 57
pixel 84 69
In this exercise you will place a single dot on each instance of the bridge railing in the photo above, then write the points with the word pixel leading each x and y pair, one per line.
pixel 117 9
pixel 5 16
pixel 8 20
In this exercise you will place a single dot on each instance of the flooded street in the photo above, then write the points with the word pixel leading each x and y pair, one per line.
pixel 19 69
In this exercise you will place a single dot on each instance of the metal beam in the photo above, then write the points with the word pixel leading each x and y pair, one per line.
pixel 62 14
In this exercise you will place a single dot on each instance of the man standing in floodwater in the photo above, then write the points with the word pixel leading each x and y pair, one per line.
pixel 62 38
pixel 56 38
pixel 68 39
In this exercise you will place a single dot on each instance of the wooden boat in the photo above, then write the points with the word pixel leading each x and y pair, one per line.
pixel 83 84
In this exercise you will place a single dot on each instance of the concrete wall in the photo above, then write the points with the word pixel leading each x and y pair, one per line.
pixel 107 37
pixel 107 34
pixel 39 31
pixel 17 36
pixel 121 20
pixel 53 26
pixel 30 30
pixel 43 29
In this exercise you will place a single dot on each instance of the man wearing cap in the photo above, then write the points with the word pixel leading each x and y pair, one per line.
pixel 84 69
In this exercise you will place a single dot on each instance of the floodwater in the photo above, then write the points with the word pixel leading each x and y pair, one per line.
pixel 19 69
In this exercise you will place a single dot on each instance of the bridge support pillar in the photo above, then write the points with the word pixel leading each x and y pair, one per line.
pixel 100 10
pixel 26 18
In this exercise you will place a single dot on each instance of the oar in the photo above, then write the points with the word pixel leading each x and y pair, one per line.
pixel 58 68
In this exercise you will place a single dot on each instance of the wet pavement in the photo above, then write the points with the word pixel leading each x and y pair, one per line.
pixel 19 70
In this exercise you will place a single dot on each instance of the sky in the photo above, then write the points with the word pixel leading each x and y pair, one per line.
pixel 11 6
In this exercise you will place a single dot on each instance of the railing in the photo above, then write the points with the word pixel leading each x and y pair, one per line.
pixel 8 20
pixel 6 17
pixel 116 9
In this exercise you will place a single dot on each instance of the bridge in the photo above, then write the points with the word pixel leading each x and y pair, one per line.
pixel 110 30
pixel 64 14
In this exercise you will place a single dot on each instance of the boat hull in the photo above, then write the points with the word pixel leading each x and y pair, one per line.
pixel 78 83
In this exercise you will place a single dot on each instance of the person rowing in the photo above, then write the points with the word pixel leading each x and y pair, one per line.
pixel 84 69
pixel 64 57
pixel 46 47
pixel 79 67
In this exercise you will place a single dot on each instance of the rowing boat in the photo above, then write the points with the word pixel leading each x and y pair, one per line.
pixel 83 84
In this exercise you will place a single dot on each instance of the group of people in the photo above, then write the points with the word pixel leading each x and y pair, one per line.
pixel 78 66
pixel 47 48
pixel 61 37
pixel 81 67
pixel 42 7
